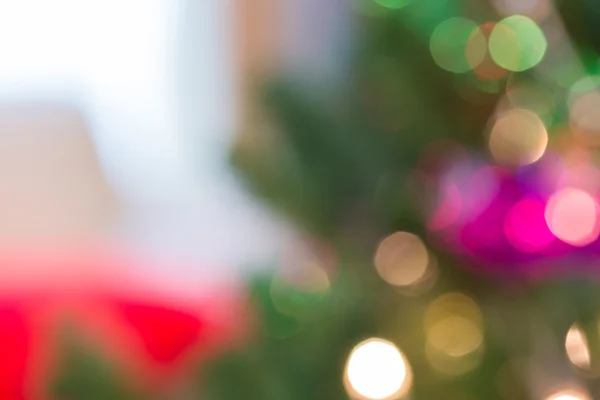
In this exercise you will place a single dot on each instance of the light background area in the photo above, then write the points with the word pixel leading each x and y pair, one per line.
pixel 155 79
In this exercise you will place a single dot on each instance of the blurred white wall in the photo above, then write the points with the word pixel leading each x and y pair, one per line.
pixel 114 59
pixel 155 80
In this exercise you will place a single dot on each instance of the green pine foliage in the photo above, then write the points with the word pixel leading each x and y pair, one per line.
pixel 86 374
pixel 340 166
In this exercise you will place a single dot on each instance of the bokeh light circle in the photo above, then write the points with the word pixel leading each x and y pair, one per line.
pixel 448 45
pixel 476 48
pixel 517 43
pixel 452 305
pixel 518 137
pixel 484 67
pixel 568 395
pixel 401 259
pixel 455 335
pixel 572 216
pixel 377 370
pixel 454 331
pixel 577 349
pixel 525 226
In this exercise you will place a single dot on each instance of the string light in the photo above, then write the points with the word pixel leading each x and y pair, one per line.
pixel 518 137
pixel 454 332
pixel 377 370
pixel 448 45
pixel 577 348
pixel 568 394
pixel 480 59
pixel 402 259
pixel 455 335
pixel 517 43
pixel 572 216
pixel 476 48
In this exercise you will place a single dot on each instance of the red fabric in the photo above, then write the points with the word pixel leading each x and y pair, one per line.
pixel 165 333
pixel 15 346
pixel 154 338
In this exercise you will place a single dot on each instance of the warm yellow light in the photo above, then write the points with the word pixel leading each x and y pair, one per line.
pixel 401 259
pixel 572 216
pixel 455 335
pixel 518 137
pixel 377 370
pixel 453 304
pixel 454 332
pixel 423 284
pixel 577 347
pixel 568 395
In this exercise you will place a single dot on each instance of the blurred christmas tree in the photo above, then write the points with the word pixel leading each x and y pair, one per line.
pixel 450 196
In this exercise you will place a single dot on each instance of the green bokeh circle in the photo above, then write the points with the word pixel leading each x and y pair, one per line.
pixel 449 41
pixel 517 43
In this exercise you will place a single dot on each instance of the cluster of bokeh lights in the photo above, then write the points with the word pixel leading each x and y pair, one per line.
pixel 516 43
pixel 454 331
pixel 376 369
pixel 570 215
pixel 533 220
pixel 518 137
